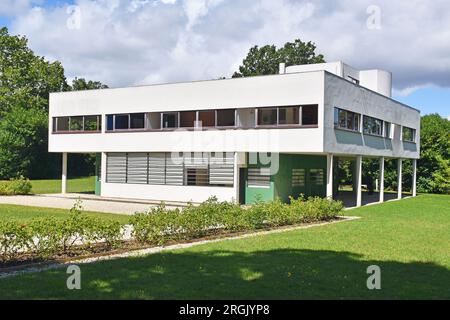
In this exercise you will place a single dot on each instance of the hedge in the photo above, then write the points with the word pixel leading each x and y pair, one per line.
pixel 19 186
pixel 49 237
pixel 160 225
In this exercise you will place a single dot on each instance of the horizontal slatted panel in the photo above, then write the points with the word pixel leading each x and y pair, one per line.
pixel 222 169
pixel 259 177
pixel 196 160
pixel 298 177
pixel 157 168
pixel 116 167
pixel 174 171
pixel 137 168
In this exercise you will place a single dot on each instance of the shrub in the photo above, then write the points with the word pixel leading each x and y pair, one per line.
pixel 19 186
pixel 47 237
pixel 14 238
pixel 159 225
pixel 109 232
pixel 156 226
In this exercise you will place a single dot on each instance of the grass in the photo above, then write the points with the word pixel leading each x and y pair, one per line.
pixel 408 239
pixel 75 185
pixel 24 214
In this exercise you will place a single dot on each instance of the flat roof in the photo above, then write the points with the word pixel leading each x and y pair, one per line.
pixel 231 79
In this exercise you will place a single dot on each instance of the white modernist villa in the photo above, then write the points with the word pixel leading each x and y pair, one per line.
pixel 237 139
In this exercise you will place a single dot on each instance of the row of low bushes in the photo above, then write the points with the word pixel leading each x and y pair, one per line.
pixel 160 225
pixel 17 186
pixel 49 237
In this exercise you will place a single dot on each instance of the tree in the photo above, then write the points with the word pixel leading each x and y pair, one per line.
pixel 434 163
pixel 26 81
pixel 23 143
pixel 266 60
pixel 82 84
pixel 25 76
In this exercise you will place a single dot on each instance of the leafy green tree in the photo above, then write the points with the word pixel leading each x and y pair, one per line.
pixel 434 163
pixel 79 84
pixel 23 143
pixel 25 76
pixel 25 83
pixel 265 60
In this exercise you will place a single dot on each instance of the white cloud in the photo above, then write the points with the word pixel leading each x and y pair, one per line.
pixel 410 90
pixel 145 41
pixel 14 7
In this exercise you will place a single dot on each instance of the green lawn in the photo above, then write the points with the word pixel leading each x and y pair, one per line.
pixel 24 214
pixel 408 239
pixel 75 185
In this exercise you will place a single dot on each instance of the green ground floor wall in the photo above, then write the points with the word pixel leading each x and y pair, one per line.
pixel 98 161
pixel 314 168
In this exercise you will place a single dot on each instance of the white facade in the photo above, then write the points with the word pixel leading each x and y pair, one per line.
pixel 326 86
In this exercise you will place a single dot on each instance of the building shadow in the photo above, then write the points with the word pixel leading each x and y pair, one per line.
pixel 272 274
pixel 348 198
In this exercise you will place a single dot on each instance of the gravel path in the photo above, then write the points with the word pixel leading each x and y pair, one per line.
pixel 48 201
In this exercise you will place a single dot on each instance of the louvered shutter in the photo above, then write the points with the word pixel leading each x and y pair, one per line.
pixel 156 168
pixel 137 166
pixel 116 167
pixel 221 170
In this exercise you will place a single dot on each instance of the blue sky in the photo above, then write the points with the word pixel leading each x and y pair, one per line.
pixel 124 43
pixel 429 100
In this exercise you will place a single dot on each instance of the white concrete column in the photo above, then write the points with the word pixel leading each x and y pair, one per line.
pixel 381 179
pixel 330 159
pixel 414 178
pixel 358 177
pixel 64 173
pixel 236 180
pixel 399 178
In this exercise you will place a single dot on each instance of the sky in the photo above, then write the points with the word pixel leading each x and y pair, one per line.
pixel 125 43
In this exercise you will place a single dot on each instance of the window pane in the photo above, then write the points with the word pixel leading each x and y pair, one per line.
pixel 121 122
pixel 110 122
pixel 225 118
pixel 350 120
pixel 137 121
pixel 342 119
pixel 197 177
pixel 63 124
pixel 90 123
pixel 316 177
pixel 258 178
pixel 372 126
pixel 288 115
pixel 310 115
pixel 298 177
pixel 408 134
pixel 76 123
pixel 187 119
pixel 356 122
pixel 267 116
pixel 207 118
pixel 387 129
pixel 170 120
pixel 336 117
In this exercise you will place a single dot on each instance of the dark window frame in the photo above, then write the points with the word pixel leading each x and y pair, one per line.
pixel 413 134
pixel 69 130
pixel 370 123
pixel 355 118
